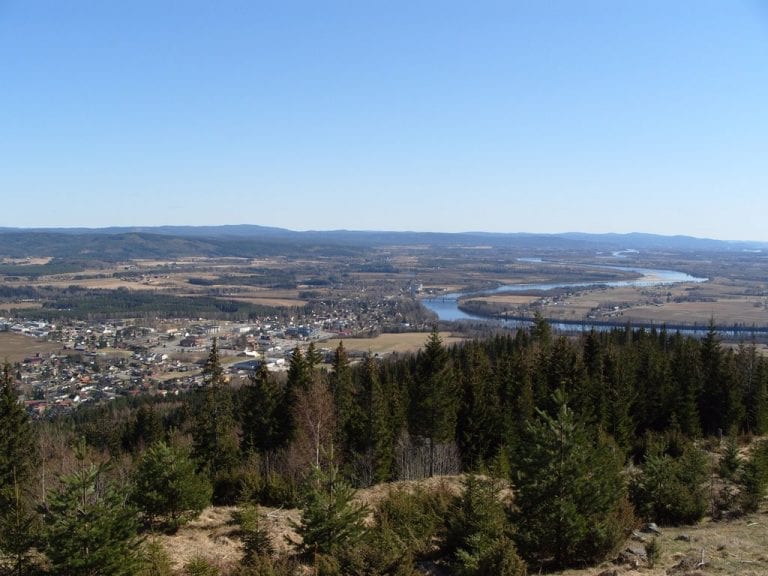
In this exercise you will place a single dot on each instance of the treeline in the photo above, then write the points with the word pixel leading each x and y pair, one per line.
pixel 592 433
pixel 81 304
pixel 54 266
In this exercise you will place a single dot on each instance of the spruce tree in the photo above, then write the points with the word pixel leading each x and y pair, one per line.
pixel 752 376
pixel 434 399
pixel 686 374
pixel 19 532
pixel 166 487
pixel 570 494
pixel 712 400
pixel 344 400
pixel 313 358
pixel 476 525
pixel 380 432
pixel 17 440
pixel 329 518
pixel 18 522
pixel 298 380
pixel 479 427
pixel 148 428
pixel 90 531
pixel 214 437
pixel 260 414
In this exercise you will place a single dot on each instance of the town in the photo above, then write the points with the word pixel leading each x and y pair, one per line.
pixel 99 362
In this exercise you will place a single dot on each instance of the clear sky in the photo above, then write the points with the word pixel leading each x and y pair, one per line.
pixel 509 116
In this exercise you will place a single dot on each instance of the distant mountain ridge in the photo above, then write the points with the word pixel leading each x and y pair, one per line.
pixel 247 239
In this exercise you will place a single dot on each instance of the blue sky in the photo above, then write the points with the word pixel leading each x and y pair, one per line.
pixel 536 116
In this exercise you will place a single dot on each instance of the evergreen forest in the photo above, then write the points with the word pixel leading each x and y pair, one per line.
pixel 563 446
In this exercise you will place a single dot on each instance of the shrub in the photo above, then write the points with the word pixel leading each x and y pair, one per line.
pixel 155 560
pixel 476 523
pixel 501 559
pixel 671 491
pixel 653 552
pixel 730 461
pixel 199 566
pixel 414 519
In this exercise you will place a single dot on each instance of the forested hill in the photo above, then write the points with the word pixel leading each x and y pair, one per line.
pixel 592 433
pixel 246 240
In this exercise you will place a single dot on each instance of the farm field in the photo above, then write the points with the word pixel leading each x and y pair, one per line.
pixel 15 347
pixel 389 343
pixel 379 288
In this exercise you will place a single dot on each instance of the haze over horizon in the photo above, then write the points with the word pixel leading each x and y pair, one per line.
pixel 594 116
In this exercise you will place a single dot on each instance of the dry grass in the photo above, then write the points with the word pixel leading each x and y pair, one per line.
pixel 388 343
pixel 736 310
pixel 508 299
pixel 9 306
pixel 735 548
pixel 727 304
pixel 213 536
pixel 15 347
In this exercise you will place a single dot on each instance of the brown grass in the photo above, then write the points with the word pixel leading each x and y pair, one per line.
pixel 510 299
pixel 388 343
pixel 15 347
pixel 8 306
pixel 735 548
pixel 213 536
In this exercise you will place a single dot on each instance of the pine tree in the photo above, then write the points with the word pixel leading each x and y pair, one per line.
pixel 671 489
pixel 570 494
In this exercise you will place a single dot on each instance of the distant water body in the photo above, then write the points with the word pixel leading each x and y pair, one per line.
pixel 446 306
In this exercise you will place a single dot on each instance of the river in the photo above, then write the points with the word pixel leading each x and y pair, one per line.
pixel 447 308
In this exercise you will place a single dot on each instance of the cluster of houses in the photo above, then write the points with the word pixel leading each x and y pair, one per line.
pixel 103 361
pixel 100 361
